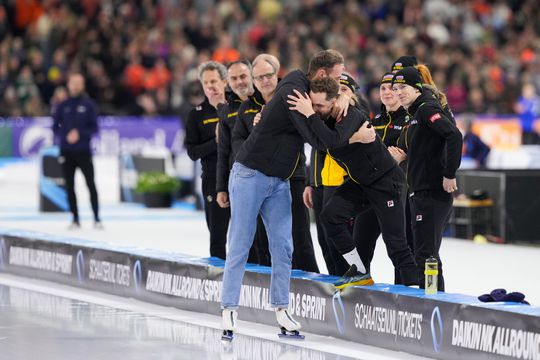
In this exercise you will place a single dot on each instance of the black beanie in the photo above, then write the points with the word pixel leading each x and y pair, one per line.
pixel 348 81
pixel 410 76
pixel 404 61
pixel 387 78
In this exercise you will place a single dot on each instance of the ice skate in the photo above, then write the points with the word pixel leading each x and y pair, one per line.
pixel 354 277
pixel 228 318
pixel 288 326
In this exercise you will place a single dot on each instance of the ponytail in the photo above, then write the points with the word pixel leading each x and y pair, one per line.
pixel 428 82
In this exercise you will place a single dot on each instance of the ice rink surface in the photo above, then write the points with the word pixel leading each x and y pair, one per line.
pixel 470 268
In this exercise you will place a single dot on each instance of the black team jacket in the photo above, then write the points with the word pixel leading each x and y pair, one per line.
pixel 275 145
pixel 389 124
pixel 433 144
pixel 364 163
pixel 318 157
pixel 225 158
pixel 200 140
pixel 244 127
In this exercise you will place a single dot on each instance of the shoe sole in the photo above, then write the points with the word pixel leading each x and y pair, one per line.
pixel 365 282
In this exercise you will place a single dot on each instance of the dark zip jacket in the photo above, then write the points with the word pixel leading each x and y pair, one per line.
pixel 389 124
pixel 76 113
pixel 433 144
pixel 244 127
pixel 276 144
pixel 364 163
pixel 318 157
pixel 227 114
pixel 200 140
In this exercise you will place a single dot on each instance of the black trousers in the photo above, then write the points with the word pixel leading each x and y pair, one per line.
pixel 303 257
pixel 335 263
pixel 387 197
pixel 217 218
pixel 431 210
pixel 70 162
pixel 367 231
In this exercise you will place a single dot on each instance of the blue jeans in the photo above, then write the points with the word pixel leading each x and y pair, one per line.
pixel 250 193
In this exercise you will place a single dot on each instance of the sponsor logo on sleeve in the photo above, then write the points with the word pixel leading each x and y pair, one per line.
pixel 435 117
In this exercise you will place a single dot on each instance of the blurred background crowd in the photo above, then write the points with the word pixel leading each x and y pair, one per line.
pixel 140 56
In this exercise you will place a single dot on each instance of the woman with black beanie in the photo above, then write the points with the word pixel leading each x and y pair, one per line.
pixel 388 125
pixel 434 155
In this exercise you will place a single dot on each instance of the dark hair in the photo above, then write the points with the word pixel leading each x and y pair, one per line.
pixel 241 61
pixel 325 59
pixel 210 66
pixel 325 85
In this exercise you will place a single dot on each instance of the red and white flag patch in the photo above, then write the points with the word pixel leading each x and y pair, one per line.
pixel 390 203
pixel 418 217
pixel 435 117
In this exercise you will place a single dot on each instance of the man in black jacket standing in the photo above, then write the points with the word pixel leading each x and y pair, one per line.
pixel 259 184
pixel 75 121
pixel 201 143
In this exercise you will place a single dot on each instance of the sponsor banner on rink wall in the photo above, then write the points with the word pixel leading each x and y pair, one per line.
pixel 117 135
pixel 444 326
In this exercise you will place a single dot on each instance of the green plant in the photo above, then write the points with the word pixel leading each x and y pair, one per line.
pixel 156 182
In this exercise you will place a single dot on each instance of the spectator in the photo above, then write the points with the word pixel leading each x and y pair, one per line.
pixel 528 108
pixel 75 121
pixel 488 46
pixel 473 147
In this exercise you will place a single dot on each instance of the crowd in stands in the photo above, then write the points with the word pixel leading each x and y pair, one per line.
pixel 140 56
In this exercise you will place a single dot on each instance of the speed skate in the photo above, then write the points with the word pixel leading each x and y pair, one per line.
pixel 289 327
pixel 229 318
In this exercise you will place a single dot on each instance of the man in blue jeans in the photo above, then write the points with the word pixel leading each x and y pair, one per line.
pixel 259 183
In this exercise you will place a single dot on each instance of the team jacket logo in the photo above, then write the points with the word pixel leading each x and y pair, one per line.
pixel 435 117
pixel 419 217
pixel 390 203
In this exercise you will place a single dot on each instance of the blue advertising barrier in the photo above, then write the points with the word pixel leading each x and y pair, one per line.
pixel 441 326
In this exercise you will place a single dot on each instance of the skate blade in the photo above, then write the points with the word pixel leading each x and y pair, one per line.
pixel 366 282
pixel 291 335
pixel 227 336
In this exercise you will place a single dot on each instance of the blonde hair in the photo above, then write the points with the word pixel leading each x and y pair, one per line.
pixel 428 83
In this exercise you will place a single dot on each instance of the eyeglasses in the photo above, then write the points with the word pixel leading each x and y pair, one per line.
pixel 264 76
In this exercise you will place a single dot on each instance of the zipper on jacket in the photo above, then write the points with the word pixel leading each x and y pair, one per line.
pixel 295 165
pixel 344 166
pixel 386 126
pixel 315 168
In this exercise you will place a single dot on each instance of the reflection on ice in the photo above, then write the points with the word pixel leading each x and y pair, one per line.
pixel 107 330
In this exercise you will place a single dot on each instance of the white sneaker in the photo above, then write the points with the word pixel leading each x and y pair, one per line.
pixel 286 321
pixel 228 317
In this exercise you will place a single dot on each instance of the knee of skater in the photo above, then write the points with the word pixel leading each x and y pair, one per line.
pixel 327 216
pixel 281 254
